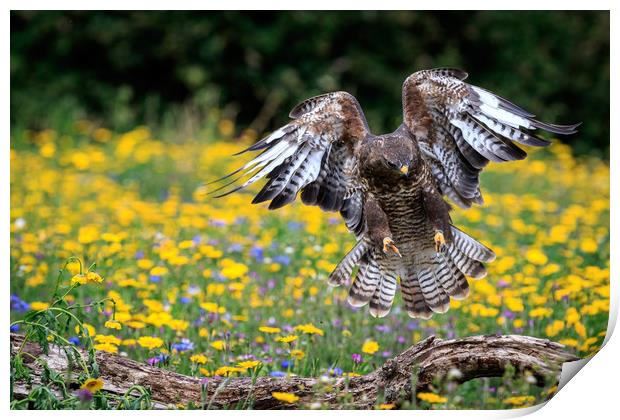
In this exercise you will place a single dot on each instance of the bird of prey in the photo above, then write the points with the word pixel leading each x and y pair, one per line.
pixel 390 188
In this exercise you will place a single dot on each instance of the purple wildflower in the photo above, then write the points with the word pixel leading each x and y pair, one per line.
pixel 84 395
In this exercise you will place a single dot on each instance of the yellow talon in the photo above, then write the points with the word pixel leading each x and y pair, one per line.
pixel 388 244
pixel 440 241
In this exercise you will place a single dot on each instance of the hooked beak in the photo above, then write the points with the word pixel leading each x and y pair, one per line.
pixel 404 170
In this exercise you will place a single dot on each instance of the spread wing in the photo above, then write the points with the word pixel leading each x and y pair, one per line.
pixel 461 127
pixel 314 154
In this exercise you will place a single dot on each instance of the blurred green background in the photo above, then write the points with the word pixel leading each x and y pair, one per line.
pixel 176 69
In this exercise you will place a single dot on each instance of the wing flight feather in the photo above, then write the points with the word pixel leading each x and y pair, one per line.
pixel 461 127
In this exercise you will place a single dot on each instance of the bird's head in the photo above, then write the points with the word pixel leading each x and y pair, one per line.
pixel 392 158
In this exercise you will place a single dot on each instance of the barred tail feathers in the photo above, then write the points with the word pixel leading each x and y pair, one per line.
pixel 428 280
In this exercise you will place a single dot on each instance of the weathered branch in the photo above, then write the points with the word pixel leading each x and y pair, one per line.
pixel 474 357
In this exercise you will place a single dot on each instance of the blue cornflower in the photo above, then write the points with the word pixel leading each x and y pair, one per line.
pixel 277 374
pixel 335 371
pixel 286 364
pixel 19 305
pixel 295 225
pixel 257 253
pixel 184 345
pixel 282 259
pixel 235 248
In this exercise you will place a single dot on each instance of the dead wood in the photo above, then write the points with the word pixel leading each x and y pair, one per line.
pixel 421 364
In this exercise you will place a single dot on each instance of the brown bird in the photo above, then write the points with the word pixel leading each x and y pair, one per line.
pixel 389 188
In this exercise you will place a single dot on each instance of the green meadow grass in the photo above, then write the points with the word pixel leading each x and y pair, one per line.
pixel 115 246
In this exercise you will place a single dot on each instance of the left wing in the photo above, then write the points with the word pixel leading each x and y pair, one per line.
pixel 314 154
pixel 461 127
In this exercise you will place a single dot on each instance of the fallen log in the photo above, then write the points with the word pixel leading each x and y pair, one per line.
pixel 417 367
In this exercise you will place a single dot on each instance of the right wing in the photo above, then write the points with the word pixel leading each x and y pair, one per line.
pixel 461 127
pixel 314 154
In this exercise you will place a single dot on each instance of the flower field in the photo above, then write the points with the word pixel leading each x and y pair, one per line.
pixel 116 244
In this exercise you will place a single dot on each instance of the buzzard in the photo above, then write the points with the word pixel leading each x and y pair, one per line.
pixel 390 188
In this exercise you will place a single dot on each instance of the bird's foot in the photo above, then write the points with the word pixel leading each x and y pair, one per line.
pixel 388 246
pixel 440 241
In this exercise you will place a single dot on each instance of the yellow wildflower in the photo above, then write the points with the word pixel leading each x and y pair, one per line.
pixel 309 329
pixel 431 398
pixel 297 354
pixel 519 400
pixel 88 234
pixel 249 364
pixel 285 396
pixel 227 371
pixel 107 339
pixel 370 347
pixel 269 330
pixel 92 384
pixel 199 359
pixel 287 339
pixel 107 347
pixel 113 324
pixel 89 329
pixel 218 345
pixel 536 256
pixel 39 306
pixel 150 342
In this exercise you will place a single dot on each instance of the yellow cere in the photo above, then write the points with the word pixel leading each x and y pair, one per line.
pixel 220 287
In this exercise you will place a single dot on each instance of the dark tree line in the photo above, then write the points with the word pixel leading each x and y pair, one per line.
pixel 125 68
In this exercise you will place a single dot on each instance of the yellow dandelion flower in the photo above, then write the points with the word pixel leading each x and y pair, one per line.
pixel 107 347
pixel 92 384
pixel 234 270
pixel 297 354
pixel 536 256
pixel 370 347
pixel 588 245
pixel 431 398
pixel 541 312
pixel 285 396
pixel 218 345
pixel 78 279
pixel 135 324
pixel 199 359
pixel 39 306
pixel 269 330
pixel 92 277
pixel 287 339
pixel 309 329
pixel 519 400
pixel 107 339
pixel 227 371
pixel 113 324
pixel 88 234
pixel 150 342
pixel 89 329
pixel 249 364
pixel 386 406
pixel 580 329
